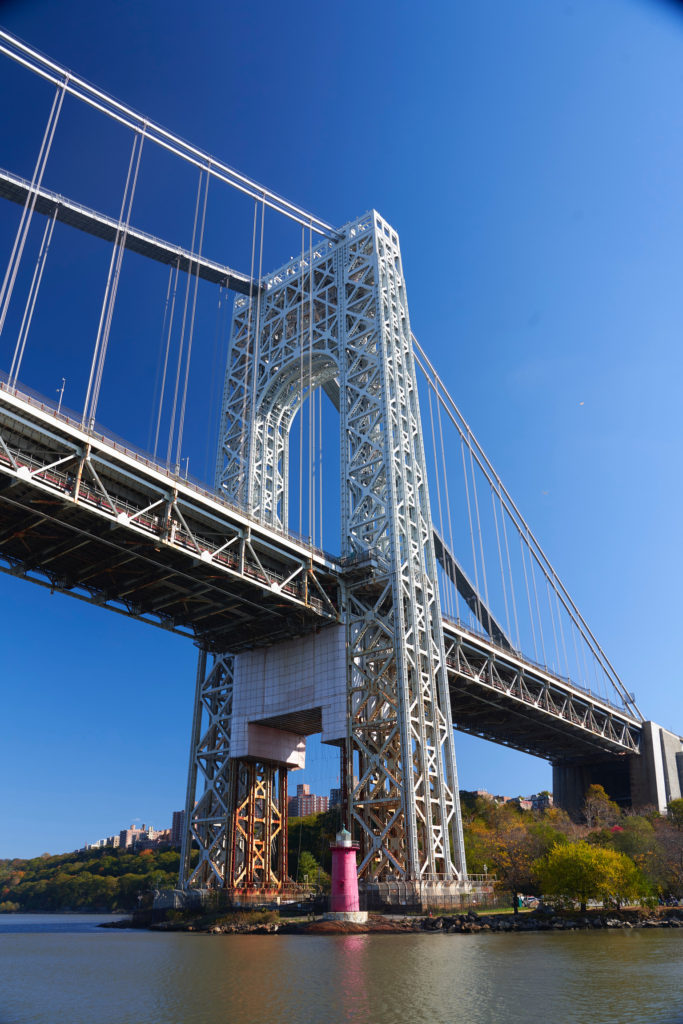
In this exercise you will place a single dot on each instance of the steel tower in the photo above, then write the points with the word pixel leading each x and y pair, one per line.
pixel 341 310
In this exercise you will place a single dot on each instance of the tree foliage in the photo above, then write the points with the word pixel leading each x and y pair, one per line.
pixel 598 809
pixel 104 880
pixel 583 871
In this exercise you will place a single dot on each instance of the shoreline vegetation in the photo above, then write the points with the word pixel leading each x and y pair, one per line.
pixel 612 857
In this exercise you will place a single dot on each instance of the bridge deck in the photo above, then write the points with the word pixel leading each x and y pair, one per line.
pixel 501 696
pixel 85 514
pixel 82 514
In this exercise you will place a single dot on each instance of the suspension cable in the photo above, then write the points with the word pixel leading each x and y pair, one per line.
pixel 528 597
pixel 211 429
pixel 109 299
pixel 165 349
pixel 481 543
pixel 302 285
pixel 552 621
pixel 469 516
pixel 246 439
pixel 500 561
pixel 538 609
pixel 438 487
pixel 449 517
pixel 181 343
pixel 30 204
pixel 535 551
pixel 512 581
pixel 311 407
pixel 31 301
pixel 319 461
pixel 181 424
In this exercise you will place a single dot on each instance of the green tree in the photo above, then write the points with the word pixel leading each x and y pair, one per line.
pixel 582 872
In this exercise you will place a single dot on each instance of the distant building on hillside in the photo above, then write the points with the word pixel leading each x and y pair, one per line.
pixel 177 828
pixel 542 801
pixel 110 841
pixel 130 837
pixel 305 802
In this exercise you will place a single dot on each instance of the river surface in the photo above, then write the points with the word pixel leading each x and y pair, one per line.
pixel 62 969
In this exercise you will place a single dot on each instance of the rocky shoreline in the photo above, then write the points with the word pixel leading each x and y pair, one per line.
pixel 460 924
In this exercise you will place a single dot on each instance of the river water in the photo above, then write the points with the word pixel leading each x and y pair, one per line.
pixel 62 969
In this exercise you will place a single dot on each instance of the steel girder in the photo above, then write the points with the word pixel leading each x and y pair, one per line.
pixel 83 514
pixel 339 316
pixel 499 696
pixel 239 823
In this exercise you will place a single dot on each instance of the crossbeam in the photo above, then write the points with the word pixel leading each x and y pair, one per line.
pixel 18 190
pixel 466 589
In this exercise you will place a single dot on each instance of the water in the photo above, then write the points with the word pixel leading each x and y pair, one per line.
pixel 64 970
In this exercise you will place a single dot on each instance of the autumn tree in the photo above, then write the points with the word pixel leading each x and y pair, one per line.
pixel 582 872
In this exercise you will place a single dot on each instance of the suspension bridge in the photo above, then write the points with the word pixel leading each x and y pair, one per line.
pixel 438 610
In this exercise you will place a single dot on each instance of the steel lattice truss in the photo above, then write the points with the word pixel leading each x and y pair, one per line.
pixel 500 696
pixel 339 317
pixel 239 823
pixel 89 516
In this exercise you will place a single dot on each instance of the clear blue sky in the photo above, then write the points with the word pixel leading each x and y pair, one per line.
pixel 530 156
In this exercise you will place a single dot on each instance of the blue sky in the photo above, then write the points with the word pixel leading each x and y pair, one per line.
pixel 530 156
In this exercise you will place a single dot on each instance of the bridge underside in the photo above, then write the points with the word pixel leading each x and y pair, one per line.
pixel 500 696
pixel 76 516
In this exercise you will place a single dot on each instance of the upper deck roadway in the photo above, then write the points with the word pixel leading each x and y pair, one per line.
pixel 89 515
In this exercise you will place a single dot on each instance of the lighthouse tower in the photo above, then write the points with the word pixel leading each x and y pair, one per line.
pixel 344 901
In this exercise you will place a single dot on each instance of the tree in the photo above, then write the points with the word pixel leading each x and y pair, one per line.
pixel 675 809
pixel 598 809
pixel 666 865
pixel 635 838
pixel 582 872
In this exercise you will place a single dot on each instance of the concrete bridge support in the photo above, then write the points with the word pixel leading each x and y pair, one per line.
pixel 651 778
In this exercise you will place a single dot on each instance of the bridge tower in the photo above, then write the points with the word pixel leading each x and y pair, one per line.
pixel 341 311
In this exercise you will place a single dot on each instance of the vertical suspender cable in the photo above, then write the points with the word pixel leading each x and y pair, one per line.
pixel 302 286
pixel 538 609
pixel 512 581
pixel 109 298
pixel 449 517
pixel 162 389
pixel 256 350
pixel 157 375
pixel 469 516
pixel 181 344
pixel 528 597
pixel 320 460
pixel 211 430
pixel 183 405
pixel 500 561
pixel 27 213
pixel 576 677
pixel 31 301
pixel 311 471
pixel 447 594
pixel 481 544
pixel 552 620
pixel 245 433
pixel 559 620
